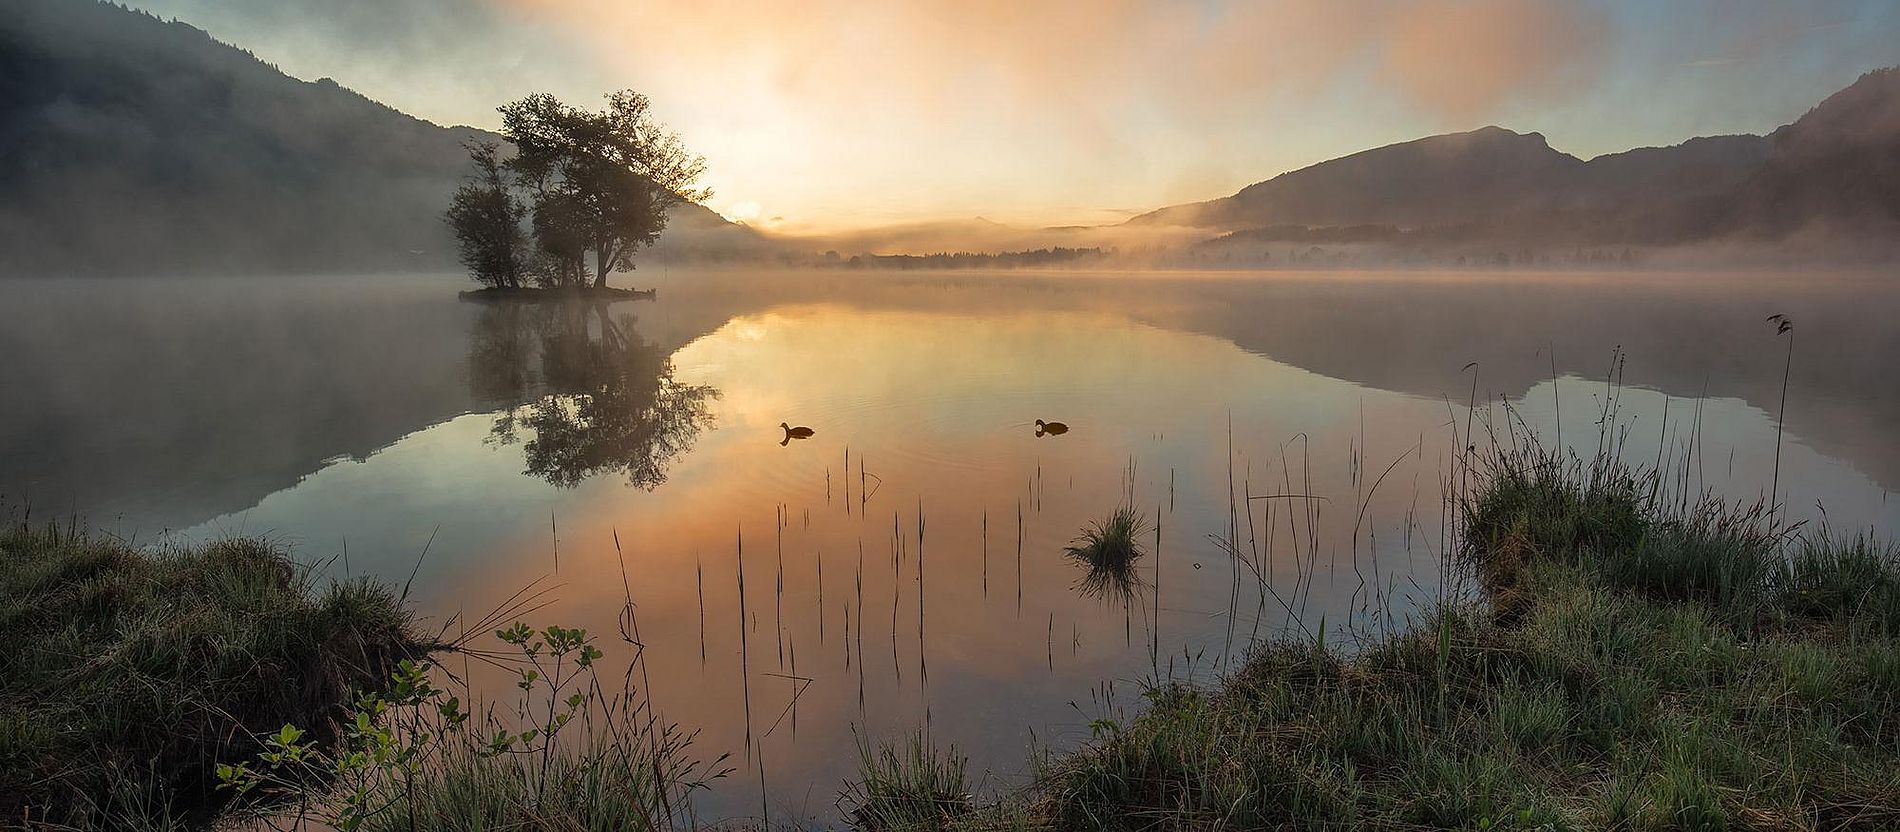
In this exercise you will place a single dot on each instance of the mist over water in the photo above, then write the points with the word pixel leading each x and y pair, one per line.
pixel 381 416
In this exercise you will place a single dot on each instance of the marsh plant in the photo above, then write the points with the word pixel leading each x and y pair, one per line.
pixel 910 785
pixel 1108 550
pixel 570 756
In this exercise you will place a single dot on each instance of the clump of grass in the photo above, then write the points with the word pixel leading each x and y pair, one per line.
pixel 1108 550
pixel 571 756
pixel 1717 554
pixel 1843 579
pixel 1604 515
pixel 602 786
pixel 911 786
pixel 127 676
pixel 1554 505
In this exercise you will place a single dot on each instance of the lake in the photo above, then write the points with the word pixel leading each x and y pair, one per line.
pixel 1294 437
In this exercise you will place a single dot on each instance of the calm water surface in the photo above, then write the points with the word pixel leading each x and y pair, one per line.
pixel 904 566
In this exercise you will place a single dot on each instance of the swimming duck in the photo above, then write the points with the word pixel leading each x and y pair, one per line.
pixel 1050 428
pixel 792 433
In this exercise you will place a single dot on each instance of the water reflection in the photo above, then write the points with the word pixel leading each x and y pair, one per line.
pixel 339 432
pixel 608 402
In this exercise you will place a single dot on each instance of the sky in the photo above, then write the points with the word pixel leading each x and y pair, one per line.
pixel 828 115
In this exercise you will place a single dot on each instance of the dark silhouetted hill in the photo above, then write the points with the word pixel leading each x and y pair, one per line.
pixel 1441 180
pixel 1837 168
pixel 129 144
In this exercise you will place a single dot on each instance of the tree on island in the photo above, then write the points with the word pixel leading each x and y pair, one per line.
pixel 486 217
pixel 593 186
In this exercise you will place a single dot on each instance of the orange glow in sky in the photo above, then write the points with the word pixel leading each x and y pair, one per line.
pixel 823 115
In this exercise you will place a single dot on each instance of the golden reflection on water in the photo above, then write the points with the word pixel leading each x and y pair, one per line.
pixel 938 519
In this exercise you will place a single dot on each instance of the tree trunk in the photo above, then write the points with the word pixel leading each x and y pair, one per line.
pixel 603 257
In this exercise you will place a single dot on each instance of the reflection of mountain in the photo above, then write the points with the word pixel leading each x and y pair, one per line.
pixel 608 402
pixel 1683 335
pixel 168 402
pixel 1412 333
pixel 131 145
pixel 174 401
pixel 180 400
pixel 1835 167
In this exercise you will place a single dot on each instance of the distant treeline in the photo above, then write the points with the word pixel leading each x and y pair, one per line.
pixel 1442 235
pixel 1058 255
pixel 1382 246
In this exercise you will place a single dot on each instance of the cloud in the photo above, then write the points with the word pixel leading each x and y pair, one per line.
pixel 841 112
pixel 1466 58
pixel 975 102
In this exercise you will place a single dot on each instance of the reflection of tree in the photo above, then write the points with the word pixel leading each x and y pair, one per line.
pixel 608 401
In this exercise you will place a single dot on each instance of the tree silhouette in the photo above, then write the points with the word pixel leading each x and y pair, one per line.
pixel 486 218
pixel 601 181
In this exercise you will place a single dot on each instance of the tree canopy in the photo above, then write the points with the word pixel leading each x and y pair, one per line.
pixel 591 186
pixel 486 218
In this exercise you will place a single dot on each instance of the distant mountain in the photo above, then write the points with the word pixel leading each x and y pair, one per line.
pixel 1838 166
pixel 131 145
pixel 1440 180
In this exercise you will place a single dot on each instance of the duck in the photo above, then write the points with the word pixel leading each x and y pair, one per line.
pixel 1050 428
pixel 792 433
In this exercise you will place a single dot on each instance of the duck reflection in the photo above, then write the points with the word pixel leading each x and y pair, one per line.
pixel 583 394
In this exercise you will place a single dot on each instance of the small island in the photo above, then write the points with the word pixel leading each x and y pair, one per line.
pixel 576 196
pixel 537 294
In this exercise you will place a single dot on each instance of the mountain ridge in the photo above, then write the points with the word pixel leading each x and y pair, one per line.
pixel 1495 182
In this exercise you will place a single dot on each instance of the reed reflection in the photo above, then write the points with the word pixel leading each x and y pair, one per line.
pixel 585 395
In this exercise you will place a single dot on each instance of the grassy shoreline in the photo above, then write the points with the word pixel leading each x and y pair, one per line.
pixel 127 676
pixel 1631 661
pixel 1630 664
pixel 218 685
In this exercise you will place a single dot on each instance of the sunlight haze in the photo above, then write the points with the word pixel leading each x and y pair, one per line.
pixel 828 115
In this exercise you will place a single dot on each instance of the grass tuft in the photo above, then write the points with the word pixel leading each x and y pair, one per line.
pixel 908 786
pixel 1108 550
pixel 127 676
pixel 1844 579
